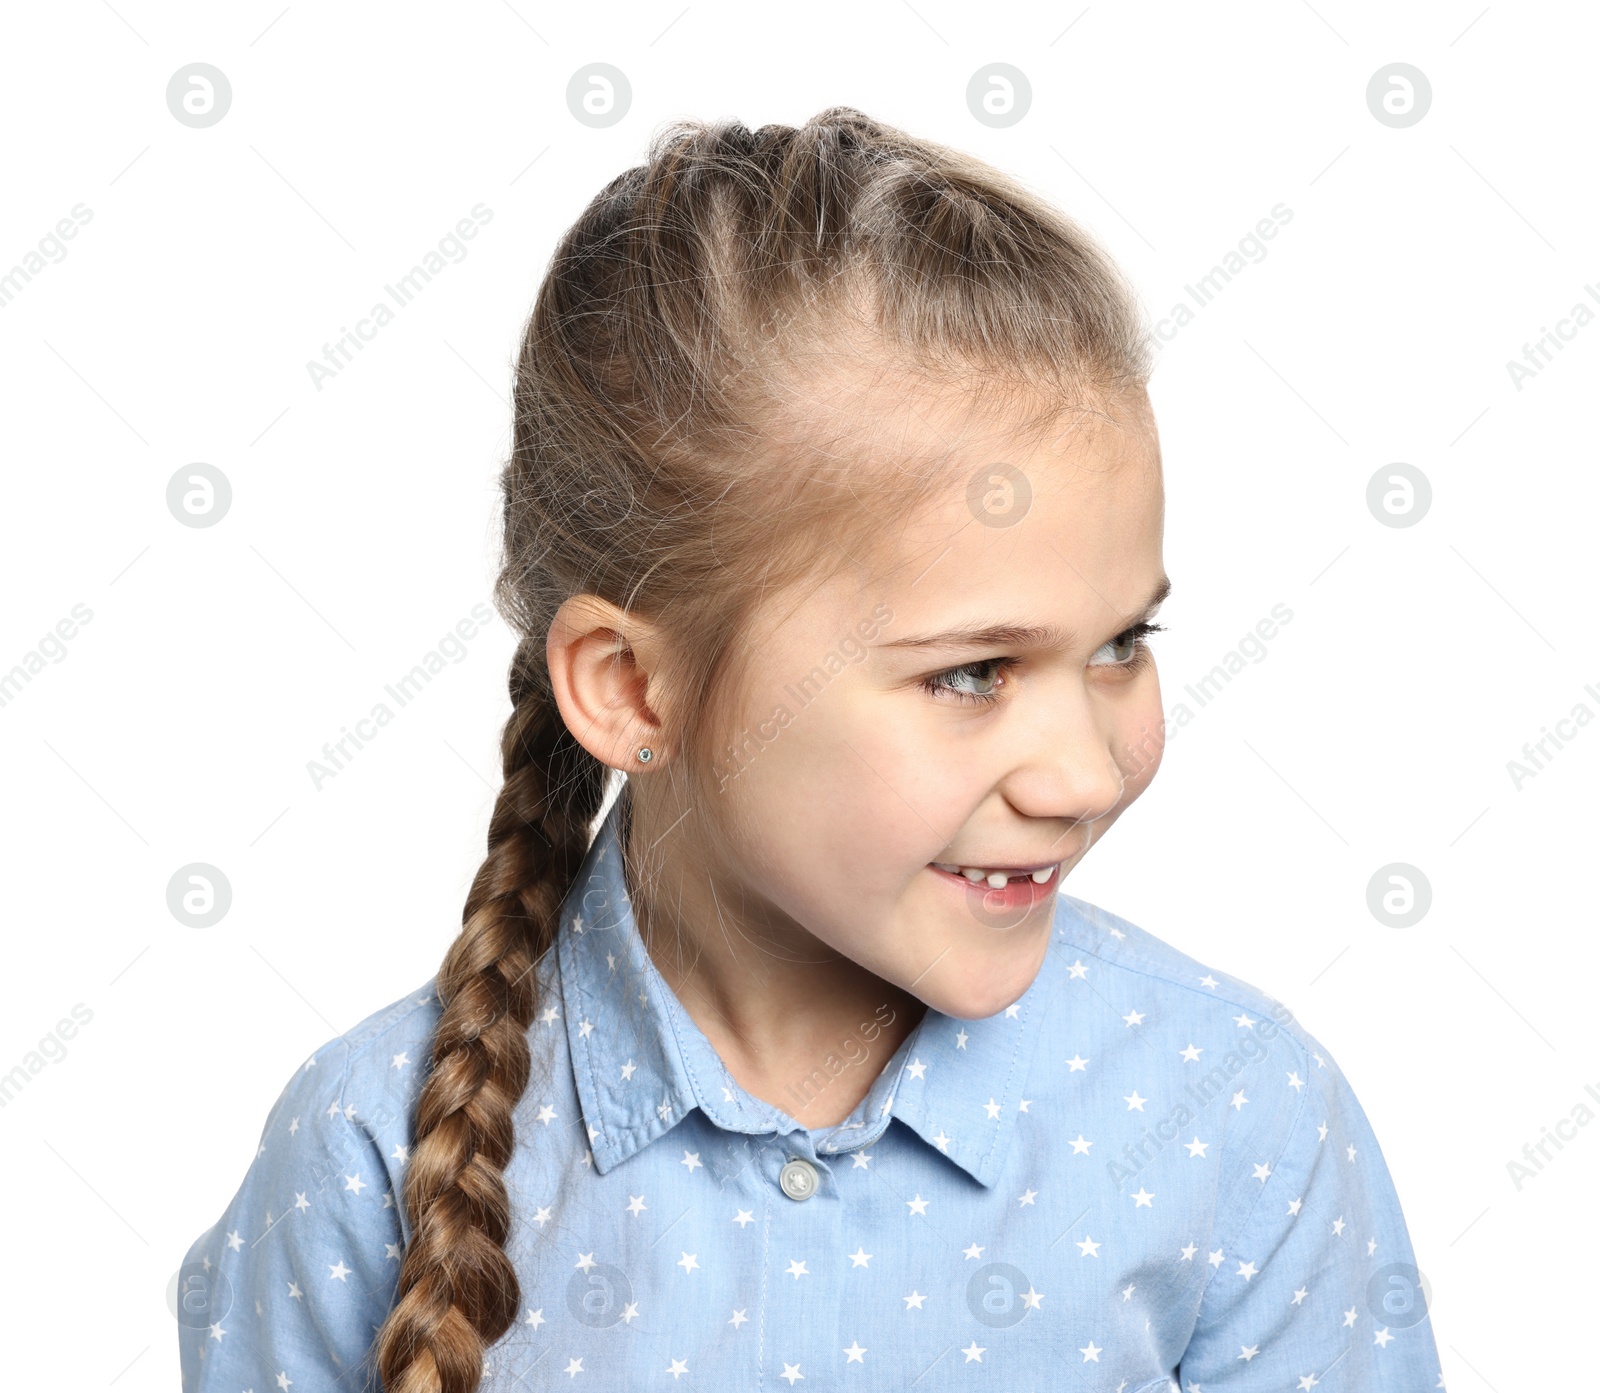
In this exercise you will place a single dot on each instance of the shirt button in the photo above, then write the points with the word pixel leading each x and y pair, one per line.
pixel 798 1179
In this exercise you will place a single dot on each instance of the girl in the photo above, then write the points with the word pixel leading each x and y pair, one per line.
pixel 833 522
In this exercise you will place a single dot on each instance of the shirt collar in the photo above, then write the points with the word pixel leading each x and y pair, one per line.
pixel 641 1064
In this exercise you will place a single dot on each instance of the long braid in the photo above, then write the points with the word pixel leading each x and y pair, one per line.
pixel 458 1291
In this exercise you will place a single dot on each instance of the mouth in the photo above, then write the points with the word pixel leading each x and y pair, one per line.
pixel 1002 888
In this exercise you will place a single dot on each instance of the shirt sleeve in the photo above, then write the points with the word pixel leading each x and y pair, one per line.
pixel 1317 1287
pixel 287 1291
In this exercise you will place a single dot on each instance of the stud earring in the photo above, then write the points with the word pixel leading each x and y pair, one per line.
pixel 645 755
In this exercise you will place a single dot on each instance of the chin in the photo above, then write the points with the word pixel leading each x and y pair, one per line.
pixel 976 996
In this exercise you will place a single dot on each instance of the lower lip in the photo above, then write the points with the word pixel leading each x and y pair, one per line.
pixel 1015 895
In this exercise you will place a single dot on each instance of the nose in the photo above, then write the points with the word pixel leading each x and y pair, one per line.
pixel 1070 764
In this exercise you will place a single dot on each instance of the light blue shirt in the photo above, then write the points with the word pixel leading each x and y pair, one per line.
pixel 1141 1175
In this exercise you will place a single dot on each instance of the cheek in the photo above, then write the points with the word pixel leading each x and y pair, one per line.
pixel 1140 739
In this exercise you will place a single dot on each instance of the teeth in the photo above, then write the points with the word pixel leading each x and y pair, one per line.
pixel 996 879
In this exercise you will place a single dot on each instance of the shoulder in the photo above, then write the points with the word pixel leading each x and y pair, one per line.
pixel 391 1042
pixel 1174 987
pixel 364 1079
pixel 373 1072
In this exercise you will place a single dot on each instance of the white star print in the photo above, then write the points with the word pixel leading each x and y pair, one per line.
pixel 622 1068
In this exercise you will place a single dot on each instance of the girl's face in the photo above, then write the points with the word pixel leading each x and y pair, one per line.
pixel 881 747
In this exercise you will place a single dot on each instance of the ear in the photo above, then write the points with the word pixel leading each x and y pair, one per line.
pixel 601 660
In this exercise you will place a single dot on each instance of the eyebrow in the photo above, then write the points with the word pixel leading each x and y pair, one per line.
pixel 1016 635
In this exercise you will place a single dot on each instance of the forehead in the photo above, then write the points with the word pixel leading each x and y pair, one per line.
pixel 1061 513
pixel 963 498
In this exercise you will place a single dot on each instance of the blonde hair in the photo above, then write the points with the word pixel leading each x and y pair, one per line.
pixel 665 393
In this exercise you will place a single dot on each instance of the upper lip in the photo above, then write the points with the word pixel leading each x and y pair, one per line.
pixel 996 866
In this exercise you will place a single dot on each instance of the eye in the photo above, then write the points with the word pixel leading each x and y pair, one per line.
pixel 1128 649
pixel 1128 652
pixel 940 684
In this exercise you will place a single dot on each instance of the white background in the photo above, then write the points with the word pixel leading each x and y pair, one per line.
pixel 178 726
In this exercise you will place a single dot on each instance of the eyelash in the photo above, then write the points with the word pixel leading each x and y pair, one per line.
pixel 935 685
